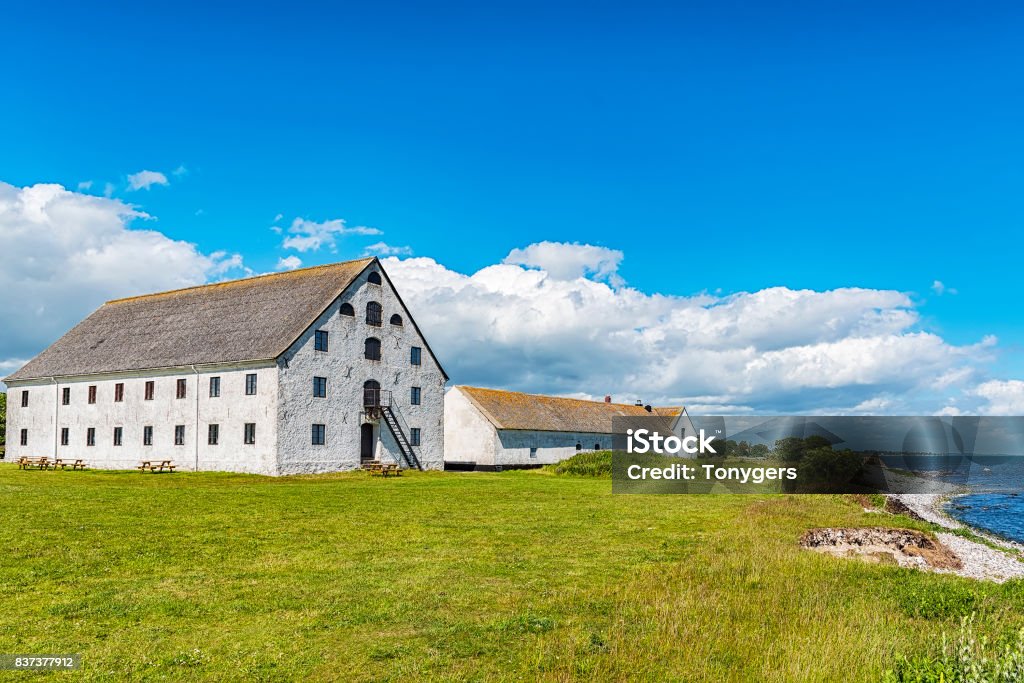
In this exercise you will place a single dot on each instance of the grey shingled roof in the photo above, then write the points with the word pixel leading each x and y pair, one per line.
pixel 257 318
pixel 513 410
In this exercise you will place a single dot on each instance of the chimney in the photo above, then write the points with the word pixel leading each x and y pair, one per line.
pixel 638 403
pixel 647 408
pixel 607 398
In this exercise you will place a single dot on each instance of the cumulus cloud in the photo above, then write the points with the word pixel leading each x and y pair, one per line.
pixel 288 263
pixel 1002 397
pixel 66 252
pixel 305 235
pixel 384 249
pixel 566 261
pixel 846 350
pixel 143 180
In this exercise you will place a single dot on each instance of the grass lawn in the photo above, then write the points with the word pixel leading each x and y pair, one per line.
pixel 509 576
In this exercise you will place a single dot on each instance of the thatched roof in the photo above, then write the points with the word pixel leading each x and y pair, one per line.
pixel 256 318
pixel 513 410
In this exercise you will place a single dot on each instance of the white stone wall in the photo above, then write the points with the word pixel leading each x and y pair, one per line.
pixel 346 370
pixel 514 446
pixel 196 411
pixel 468 435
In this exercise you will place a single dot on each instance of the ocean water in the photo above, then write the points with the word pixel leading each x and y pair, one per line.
pixel 1000 513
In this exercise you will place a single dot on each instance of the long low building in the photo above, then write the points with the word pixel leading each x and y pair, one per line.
pixel 490 429
pixel 312 370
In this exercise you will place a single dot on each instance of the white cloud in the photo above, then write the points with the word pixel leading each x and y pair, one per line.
pixel 779 349
pixel 566 261
pixel 84 185
pixel 180 171
pixel 305 235
pixel 384 249
pixel 1003 397
pixel 108 190
pixel 939 288
pixel 288 263
pixel 65 253
pixel 143 180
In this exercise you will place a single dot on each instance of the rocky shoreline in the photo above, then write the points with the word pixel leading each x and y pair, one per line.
pixel 978 560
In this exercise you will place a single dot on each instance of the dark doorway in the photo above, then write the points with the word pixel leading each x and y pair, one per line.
pixel 365 443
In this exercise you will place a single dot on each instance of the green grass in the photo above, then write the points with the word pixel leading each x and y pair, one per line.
pixel 510 576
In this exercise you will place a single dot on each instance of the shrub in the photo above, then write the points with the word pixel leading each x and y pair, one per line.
pixel 590 464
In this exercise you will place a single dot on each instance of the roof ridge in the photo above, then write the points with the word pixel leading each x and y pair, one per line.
pixel 560 398
pixel 211 285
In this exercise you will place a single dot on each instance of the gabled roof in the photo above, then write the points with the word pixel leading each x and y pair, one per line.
pixel 256 318
pixel 536 412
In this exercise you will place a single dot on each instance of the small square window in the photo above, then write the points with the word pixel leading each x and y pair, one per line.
pixel 182 388
pixel 65 396
pixel 24 398
pixel 414 437
pixel 92 393
pixel 214 387
pixel 150 389
pixel 147 436
pixel 24 437
pixel 118 435
pixel 250 433
pixel 319 387
pixel 319 435
pixel 416 355
pixel 118 392
pixel 65 436
pixel 250 384
pixel 90 436
pixel 320 338
pixel 533 452
pixel 213 435
pixel 179 435
pixel 414 397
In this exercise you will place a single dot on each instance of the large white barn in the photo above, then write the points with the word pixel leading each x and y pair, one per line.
pixel 489 429
pixel 312 370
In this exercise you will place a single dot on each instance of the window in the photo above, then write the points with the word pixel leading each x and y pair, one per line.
pixel 320 340
pixel 533 452
pixel 213 435
pixel 147 436
pixel 414 397
pixel 319 387
pixel 214 387
pixel 92 393
pixel 24 437
pixel 24 398
pixel 118 435
pixel 346 309
pixel 149 390
pixel 181 388
pixel 250 384
pixel 373 278
pixel 416 355
pixel 65 436
pixel 250 433
pixel 118 392
pixel 414 437
pixel 597 446
pixel 179 435
pixel 579 446
pixel 372 349
pixel 396 320
pixel 319 435
pixel 374 314
pixel 65 397
pixel 90 436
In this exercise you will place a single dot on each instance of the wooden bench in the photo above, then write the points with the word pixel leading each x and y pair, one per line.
pixel 156 466
pixel 391 470
pixel 25 463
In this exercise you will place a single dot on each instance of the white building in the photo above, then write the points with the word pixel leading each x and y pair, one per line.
pixel 311 370
pixel 488 429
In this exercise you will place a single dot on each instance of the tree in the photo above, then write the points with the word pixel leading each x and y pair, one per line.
pixel 790 449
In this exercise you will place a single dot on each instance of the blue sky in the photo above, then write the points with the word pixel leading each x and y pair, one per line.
pixel 722 147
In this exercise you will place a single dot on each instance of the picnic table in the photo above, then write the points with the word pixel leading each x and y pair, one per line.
pixel 64 463
pixel 156 465
pixel 25 463
pixel 378 469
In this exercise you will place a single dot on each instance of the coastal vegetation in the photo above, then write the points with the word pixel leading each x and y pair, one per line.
pixel 484 576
